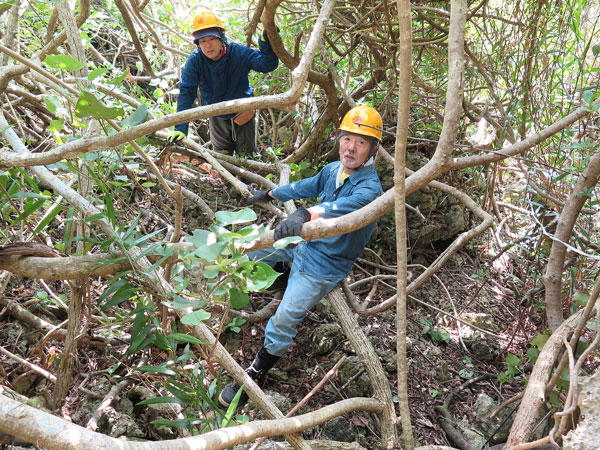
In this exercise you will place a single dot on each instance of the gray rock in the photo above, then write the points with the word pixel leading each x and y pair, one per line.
pixel 444 215
pixel 499 426
pixel 587 434
pixel 360 386
pixel 472 436
pixel 116 424
pixel 284 404
pixel 339 429
pixel 326 338
pixel 483 347
pixel 497 429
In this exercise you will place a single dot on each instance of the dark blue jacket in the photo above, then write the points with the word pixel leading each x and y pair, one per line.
pixel 333 257
pixel 225 79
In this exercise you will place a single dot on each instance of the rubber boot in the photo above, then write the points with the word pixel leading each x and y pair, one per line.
pixel 257 371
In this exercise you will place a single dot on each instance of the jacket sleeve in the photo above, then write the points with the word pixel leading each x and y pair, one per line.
pixel 306 188
pixel 361 195
pixel 263 60
pixel 188 90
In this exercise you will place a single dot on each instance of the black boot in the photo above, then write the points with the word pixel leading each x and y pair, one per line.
pixel 257 371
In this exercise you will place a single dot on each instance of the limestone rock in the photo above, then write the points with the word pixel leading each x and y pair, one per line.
pixel 326 338
pixel 359 386
pixel 587 434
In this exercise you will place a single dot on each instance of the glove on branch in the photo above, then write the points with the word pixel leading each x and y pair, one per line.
pixel 292 226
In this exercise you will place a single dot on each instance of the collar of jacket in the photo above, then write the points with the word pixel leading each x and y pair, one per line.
pixel 364 172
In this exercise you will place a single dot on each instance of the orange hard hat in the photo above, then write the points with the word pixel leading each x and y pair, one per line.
pixel 205 20
pixel 363 120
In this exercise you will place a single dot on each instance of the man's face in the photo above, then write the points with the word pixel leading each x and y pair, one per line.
pixel 354 151
pixel 211 47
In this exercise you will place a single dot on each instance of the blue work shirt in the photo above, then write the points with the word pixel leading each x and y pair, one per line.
pixel 333 257
pixel 224 79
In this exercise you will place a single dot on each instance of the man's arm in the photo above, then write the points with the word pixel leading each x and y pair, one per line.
pixel 188 91
pixel 264 59
pixel 361 196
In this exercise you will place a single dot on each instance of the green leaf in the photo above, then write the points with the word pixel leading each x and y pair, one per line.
pixel 97 73
pixel 596 49
pixel 139 116
pixel 532 354
pixel 179 423
pixel 434 392
pixel 225 218
pixel 238 299
pixel 182 303
pixel 540 340
pixel 123 293
pixel 258 275
pixel 88 105
pixel 206 245
pixel 65 62
pixel 588 95
pixel 29 195
pixel 156 369
pixel 47 219
pixel 182 337
pixel 162 342
pixel 195 317
pixel 52 103
pixel 440 335
pixel 181 395
pixel 513 360
pixel 119 79
pixel 232 407
pixel 158 400
pixel 56 125
pixel 283 243
pixel 581 298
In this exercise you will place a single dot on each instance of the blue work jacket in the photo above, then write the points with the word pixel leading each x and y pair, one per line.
pixel 224 79
pixel 333 257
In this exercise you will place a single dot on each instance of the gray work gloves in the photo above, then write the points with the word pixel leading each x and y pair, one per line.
pixel 292 226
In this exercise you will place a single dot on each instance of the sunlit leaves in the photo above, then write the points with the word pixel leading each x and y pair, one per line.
pixel 139 116
pixel 88 105
pixel 65 62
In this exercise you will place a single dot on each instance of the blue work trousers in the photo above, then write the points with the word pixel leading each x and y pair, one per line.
pixel 302 293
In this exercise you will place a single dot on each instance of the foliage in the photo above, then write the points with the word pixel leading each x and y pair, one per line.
pixel 528 64
pixel 437 334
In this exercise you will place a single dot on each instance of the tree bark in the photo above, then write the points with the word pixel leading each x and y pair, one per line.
pixel 364 349
pixel 535 394
pixel 54 433
pixel 566 221
pixel 404 78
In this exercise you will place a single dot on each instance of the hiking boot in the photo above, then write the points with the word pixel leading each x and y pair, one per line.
pixel 257 371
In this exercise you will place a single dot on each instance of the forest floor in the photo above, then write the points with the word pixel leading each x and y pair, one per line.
pixel 440 360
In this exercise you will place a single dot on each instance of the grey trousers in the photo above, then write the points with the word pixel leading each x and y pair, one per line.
pixel 226 135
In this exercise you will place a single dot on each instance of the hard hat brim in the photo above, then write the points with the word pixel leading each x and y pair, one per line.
pixel 206 33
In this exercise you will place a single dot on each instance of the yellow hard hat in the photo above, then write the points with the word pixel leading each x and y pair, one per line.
pixel 363 120
pixel 206 20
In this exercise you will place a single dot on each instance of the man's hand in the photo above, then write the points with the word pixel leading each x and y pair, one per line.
pixel 292 226
pixel 176 136
pixel 259 196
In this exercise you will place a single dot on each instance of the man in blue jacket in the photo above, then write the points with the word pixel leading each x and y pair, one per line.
pixel 220 68
pixel 318 265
